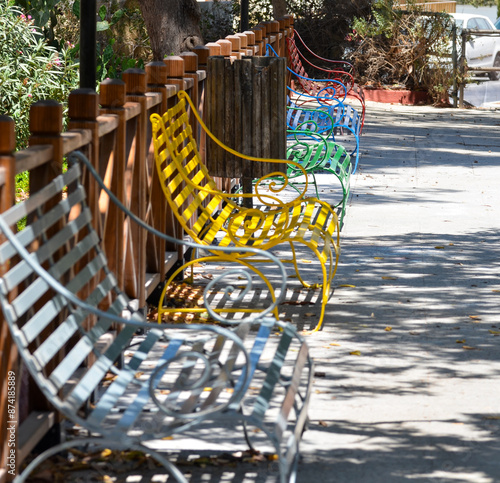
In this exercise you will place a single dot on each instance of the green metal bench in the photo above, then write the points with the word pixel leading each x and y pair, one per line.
pixel 316 154
pixel 58 298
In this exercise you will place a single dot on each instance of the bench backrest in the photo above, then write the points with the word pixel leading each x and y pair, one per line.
pixel 186 183
pixel 59 298
pixel 53 336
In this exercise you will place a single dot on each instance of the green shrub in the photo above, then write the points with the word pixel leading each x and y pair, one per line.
pixel 30 69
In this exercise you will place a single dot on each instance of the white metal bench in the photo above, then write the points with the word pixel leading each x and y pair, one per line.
pixel 58 298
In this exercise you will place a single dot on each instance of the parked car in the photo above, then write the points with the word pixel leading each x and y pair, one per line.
pixel 480 51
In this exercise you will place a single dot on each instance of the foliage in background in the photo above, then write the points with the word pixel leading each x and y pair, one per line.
pixel 122 41
pixel 409 49
pixel 218 19
pixel 30 69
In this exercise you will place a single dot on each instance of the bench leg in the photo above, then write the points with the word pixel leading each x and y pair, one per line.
pixel 247 265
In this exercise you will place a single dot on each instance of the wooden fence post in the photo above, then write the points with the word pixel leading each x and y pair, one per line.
pixel 226 47
pixel 83 109
pixel 203 52
pixel 8 352
pixel 136 175
pixel 113 155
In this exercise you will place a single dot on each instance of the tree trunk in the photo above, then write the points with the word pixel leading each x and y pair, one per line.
pixel 173 26
pixel 279 8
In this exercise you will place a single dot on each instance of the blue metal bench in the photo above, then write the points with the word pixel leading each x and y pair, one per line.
pixel 58 298
pixel 340 122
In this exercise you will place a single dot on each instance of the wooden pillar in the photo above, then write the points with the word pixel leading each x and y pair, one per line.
pixel 236 46
pixel 259 42
pixel 136 176
pixel 113 154
pixel 251 41
pixel 274 30
pixel 162 217
pixel 8 350
pixel 175 71
pixel 46 126
pixel 213 49
pixel 203 52
pixel 226 47
pixel 83 109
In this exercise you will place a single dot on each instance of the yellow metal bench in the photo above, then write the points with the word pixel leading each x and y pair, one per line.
pixel 220 220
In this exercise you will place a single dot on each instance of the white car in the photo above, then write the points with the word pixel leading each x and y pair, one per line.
pixel 483 51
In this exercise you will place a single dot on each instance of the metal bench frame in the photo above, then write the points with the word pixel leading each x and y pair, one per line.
pixel 221 221
pixel 341 71
pixel 329 121
pixel 59 297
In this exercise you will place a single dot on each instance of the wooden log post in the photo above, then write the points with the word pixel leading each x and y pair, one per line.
pixel 112 168
pixel 136 175
pixel 252 120
pixel 9 461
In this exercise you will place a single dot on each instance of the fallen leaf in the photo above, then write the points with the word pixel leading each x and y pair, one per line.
pixel 492 417
pixel 355 353
pixel 272 457
pixel 414 332
pixel 439 248
pixel 334 343
pixel 388 329
pixel 309 314
pixel 494 332
pixel 496 291
pixel 389 278
pixel 106 452
pixel 347 285
pixel 378 258
pixel 469 348
pixel 474 317
pixel 322 423
pixel 460 341
pixel 303 260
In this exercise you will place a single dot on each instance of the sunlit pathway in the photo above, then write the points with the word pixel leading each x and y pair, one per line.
pixel 408 363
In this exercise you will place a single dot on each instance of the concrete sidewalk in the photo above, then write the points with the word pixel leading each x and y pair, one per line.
pixel 408 361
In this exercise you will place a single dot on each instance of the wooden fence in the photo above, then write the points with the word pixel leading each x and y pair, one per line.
pixel 112 128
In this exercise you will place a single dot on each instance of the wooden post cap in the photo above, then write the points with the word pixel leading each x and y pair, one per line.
pixel 202 52
pixel 250 37
pixel 175 66
pixel 226 47
pixel 7 135
pixel 243 39
pixel 258 31
pixel 46 117
pixel 156 73
pixel 135 81
pixel 113 92
pixel 214 48
pixel 83 104
pixel 190 61
pixel 282 22
pixel 275 26
pixel 236 41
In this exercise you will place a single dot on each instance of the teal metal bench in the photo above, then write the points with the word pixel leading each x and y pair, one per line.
pixel 58 298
